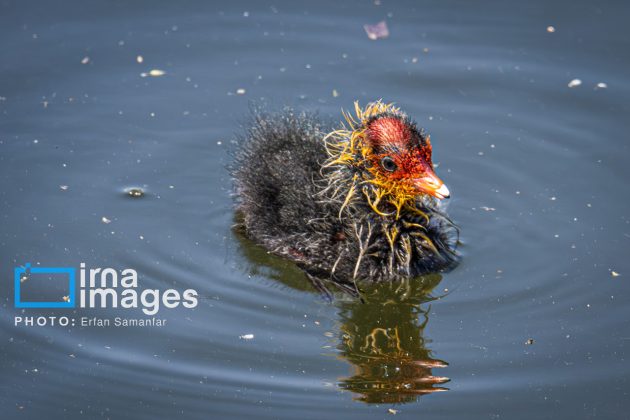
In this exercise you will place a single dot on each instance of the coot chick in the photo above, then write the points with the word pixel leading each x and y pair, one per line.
pixel 361 202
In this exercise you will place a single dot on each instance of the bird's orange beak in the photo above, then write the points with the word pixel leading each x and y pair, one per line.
pixel 430 184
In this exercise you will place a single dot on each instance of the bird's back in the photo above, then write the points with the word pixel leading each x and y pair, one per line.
pixel 276 171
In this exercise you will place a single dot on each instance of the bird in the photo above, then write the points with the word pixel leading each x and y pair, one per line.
pixel 348 202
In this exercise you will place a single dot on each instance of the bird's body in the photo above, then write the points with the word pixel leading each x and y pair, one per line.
pixel 341 204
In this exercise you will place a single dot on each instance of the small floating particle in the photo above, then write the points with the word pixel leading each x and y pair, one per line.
pixel 601 85
pixel 551 29
pixel 63 187
pixel 487 208
pixel 392 411
pixel 335 93
pixel 240 91
pixel 72 355
pixel 614 274
pixel 376 31
pixel 85 60
pixel 66 298
pixel 414 59
pixel 134 192
pixel 153 73
pixel 574 83
pixel 246 337
pixel 105 220
pixel 139 59
pixel 529 342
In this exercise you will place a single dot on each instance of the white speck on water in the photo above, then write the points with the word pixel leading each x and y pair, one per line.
pixel 246 337
pixel 335 93
pixel 153 73
pixel 219 143
pixel 240 91
pixel 85 60
pixel 245 14
pixel 63 187
pixel 601 85
pixel 614 273
pixel 551 29
pixel 553 198
pixel 574 83
pixel 139 59
pixel 105 220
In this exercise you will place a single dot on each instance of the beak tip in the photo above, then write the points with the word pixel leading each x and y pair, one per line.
pixel 442 192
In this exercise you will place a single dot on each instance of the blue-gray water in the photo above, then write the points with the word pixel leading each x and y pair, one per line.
pixel 538 173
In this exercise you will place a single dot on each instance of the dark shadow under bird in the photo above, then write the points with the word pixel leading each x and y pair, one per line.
pixel 361 202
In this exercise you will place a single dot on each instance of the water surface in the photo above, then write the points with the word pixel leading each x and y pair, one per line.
pixel 532 324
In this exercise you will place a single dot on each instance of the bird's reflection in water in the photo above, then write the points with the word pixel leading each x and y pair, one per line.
pixel 383 339
pixel 380 335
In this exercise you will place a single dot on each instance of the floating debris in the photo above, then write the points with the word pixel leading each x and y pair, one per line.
pixel 153 73
pixel 376 31
pixel 85 60
pixel 487 208
pixel 335 93
pixel 240 91
pixel 574 83
pixel 529 342
pixel 614 274
pixel 601 85
pixel 63 187
pixel 392 411
pixel 246 337
pixel 551 29
pixel 105 220
pixel 139 59
pixel 135 192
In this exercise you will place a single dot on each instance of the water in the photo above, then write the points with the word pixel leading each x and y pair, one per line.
pixel 537 170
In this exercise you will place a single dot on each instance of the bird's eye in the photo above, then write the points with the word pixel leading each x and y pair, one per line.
pixel 388 164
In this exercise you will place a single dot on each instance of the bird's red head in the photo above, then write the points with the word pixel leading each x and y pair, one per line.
pixel 400 155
